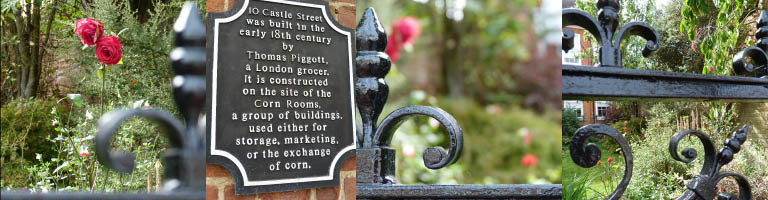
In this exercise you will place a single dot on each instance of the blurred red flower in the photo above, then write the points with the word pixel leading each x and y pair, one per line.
pixel 529 160
pixel 89 30
pixel 403 32
pixel 598 163
pixel 610 159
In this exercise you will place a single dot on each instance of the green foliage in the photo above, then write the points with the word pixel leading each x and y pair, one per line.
pixel 656 175
pixel 570 123
pixel 146 71
pixel 494 145
pixel 719 28
pixel 596 182
pixel 478 55
pixel 632 128
pixel 141 81
pixel 25 124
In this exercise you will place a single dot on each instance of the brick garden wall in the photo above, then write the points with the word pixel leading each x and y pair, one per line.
pixel 756 115
pixel 219 183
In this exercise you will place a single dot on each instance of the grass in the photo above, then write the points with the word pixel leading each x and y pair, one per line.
pixel 594 182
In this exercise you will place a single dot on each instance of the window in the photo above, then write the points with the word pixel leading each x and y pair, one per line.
pixel 601 107
pixel 576 106
pixel 570 57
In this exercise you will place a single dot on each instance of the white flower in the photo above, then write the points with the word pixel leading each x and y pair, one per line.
pixel 88 115
pixel 38 156
pixel 54 122
pixel 408 150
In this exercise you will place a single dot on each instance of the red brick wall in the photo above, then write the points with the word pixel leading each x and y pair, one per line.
pixel 219 183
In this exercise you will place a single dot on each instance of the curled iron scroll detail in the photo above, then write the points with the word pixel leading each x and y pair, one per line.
pixel 587 155
pixel 122 161
pixel 703 186
pixel 758 53
pixel 434 157
pixel 603 29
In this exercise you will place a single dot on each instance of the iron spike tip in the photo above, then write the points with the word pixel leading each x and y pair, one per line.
pixel 189 27
pixel 370 33
pixel 763 21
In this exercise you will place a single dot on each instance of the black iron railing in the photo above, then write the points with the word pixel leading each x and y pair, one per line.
pixel 376 160
pixel 610 81
pixel 184 175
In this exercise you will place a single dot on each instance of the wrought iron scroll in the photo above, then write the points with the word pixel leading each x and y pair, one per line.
pixel 758 53
pixel 184 167
pixel 375 162
pixel 588 155
pixel 703 186
pixel 603 30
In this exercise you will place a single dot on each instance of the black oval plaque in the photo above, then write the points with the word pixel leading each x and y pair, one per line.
pixel 280 112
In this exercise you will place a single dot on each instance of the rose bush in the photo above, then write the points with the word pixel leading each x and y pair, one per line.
pixel 108 50
pixel 89 30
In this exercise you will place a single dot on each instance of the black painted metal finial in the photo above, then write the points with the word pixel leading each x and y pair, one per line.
pixel 703 186
pixel 758 53
pixel 371 65
pixel 376 160
pixel 603 30
pixel 184 165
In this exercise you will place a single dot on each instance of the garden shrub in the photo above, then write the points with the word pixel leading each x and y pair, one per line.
pixel 25 125
pixel 141 81
pixel 632 128
pixel 570 123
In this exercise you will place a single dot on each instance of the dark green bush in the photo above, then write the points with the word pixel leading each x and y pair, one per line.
pixel 632 128
pixel 25 126
pixel 570 124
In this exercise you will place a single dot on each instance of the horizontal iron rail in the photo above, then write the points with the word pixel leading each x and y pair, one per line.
pixel 105 196
pixel 520 191
pixel 611 83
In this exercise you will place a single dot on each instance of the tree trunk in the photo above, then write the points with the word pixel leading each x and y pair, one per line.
pixel 36 65
pixel 453 75
pixel 27 28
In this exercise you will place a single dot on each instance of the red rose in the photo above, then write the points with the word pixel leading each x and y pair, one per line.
pixel 610 159
pixel 108 50
pixel 393 50
pixel 406 28
pixel 89 30
pixel 598 163
pixel 403 32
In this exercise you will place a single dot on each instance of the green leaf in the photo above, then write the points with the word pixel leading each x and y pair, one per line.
pixel 76 98
pixel 120 62
pixel 100 73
